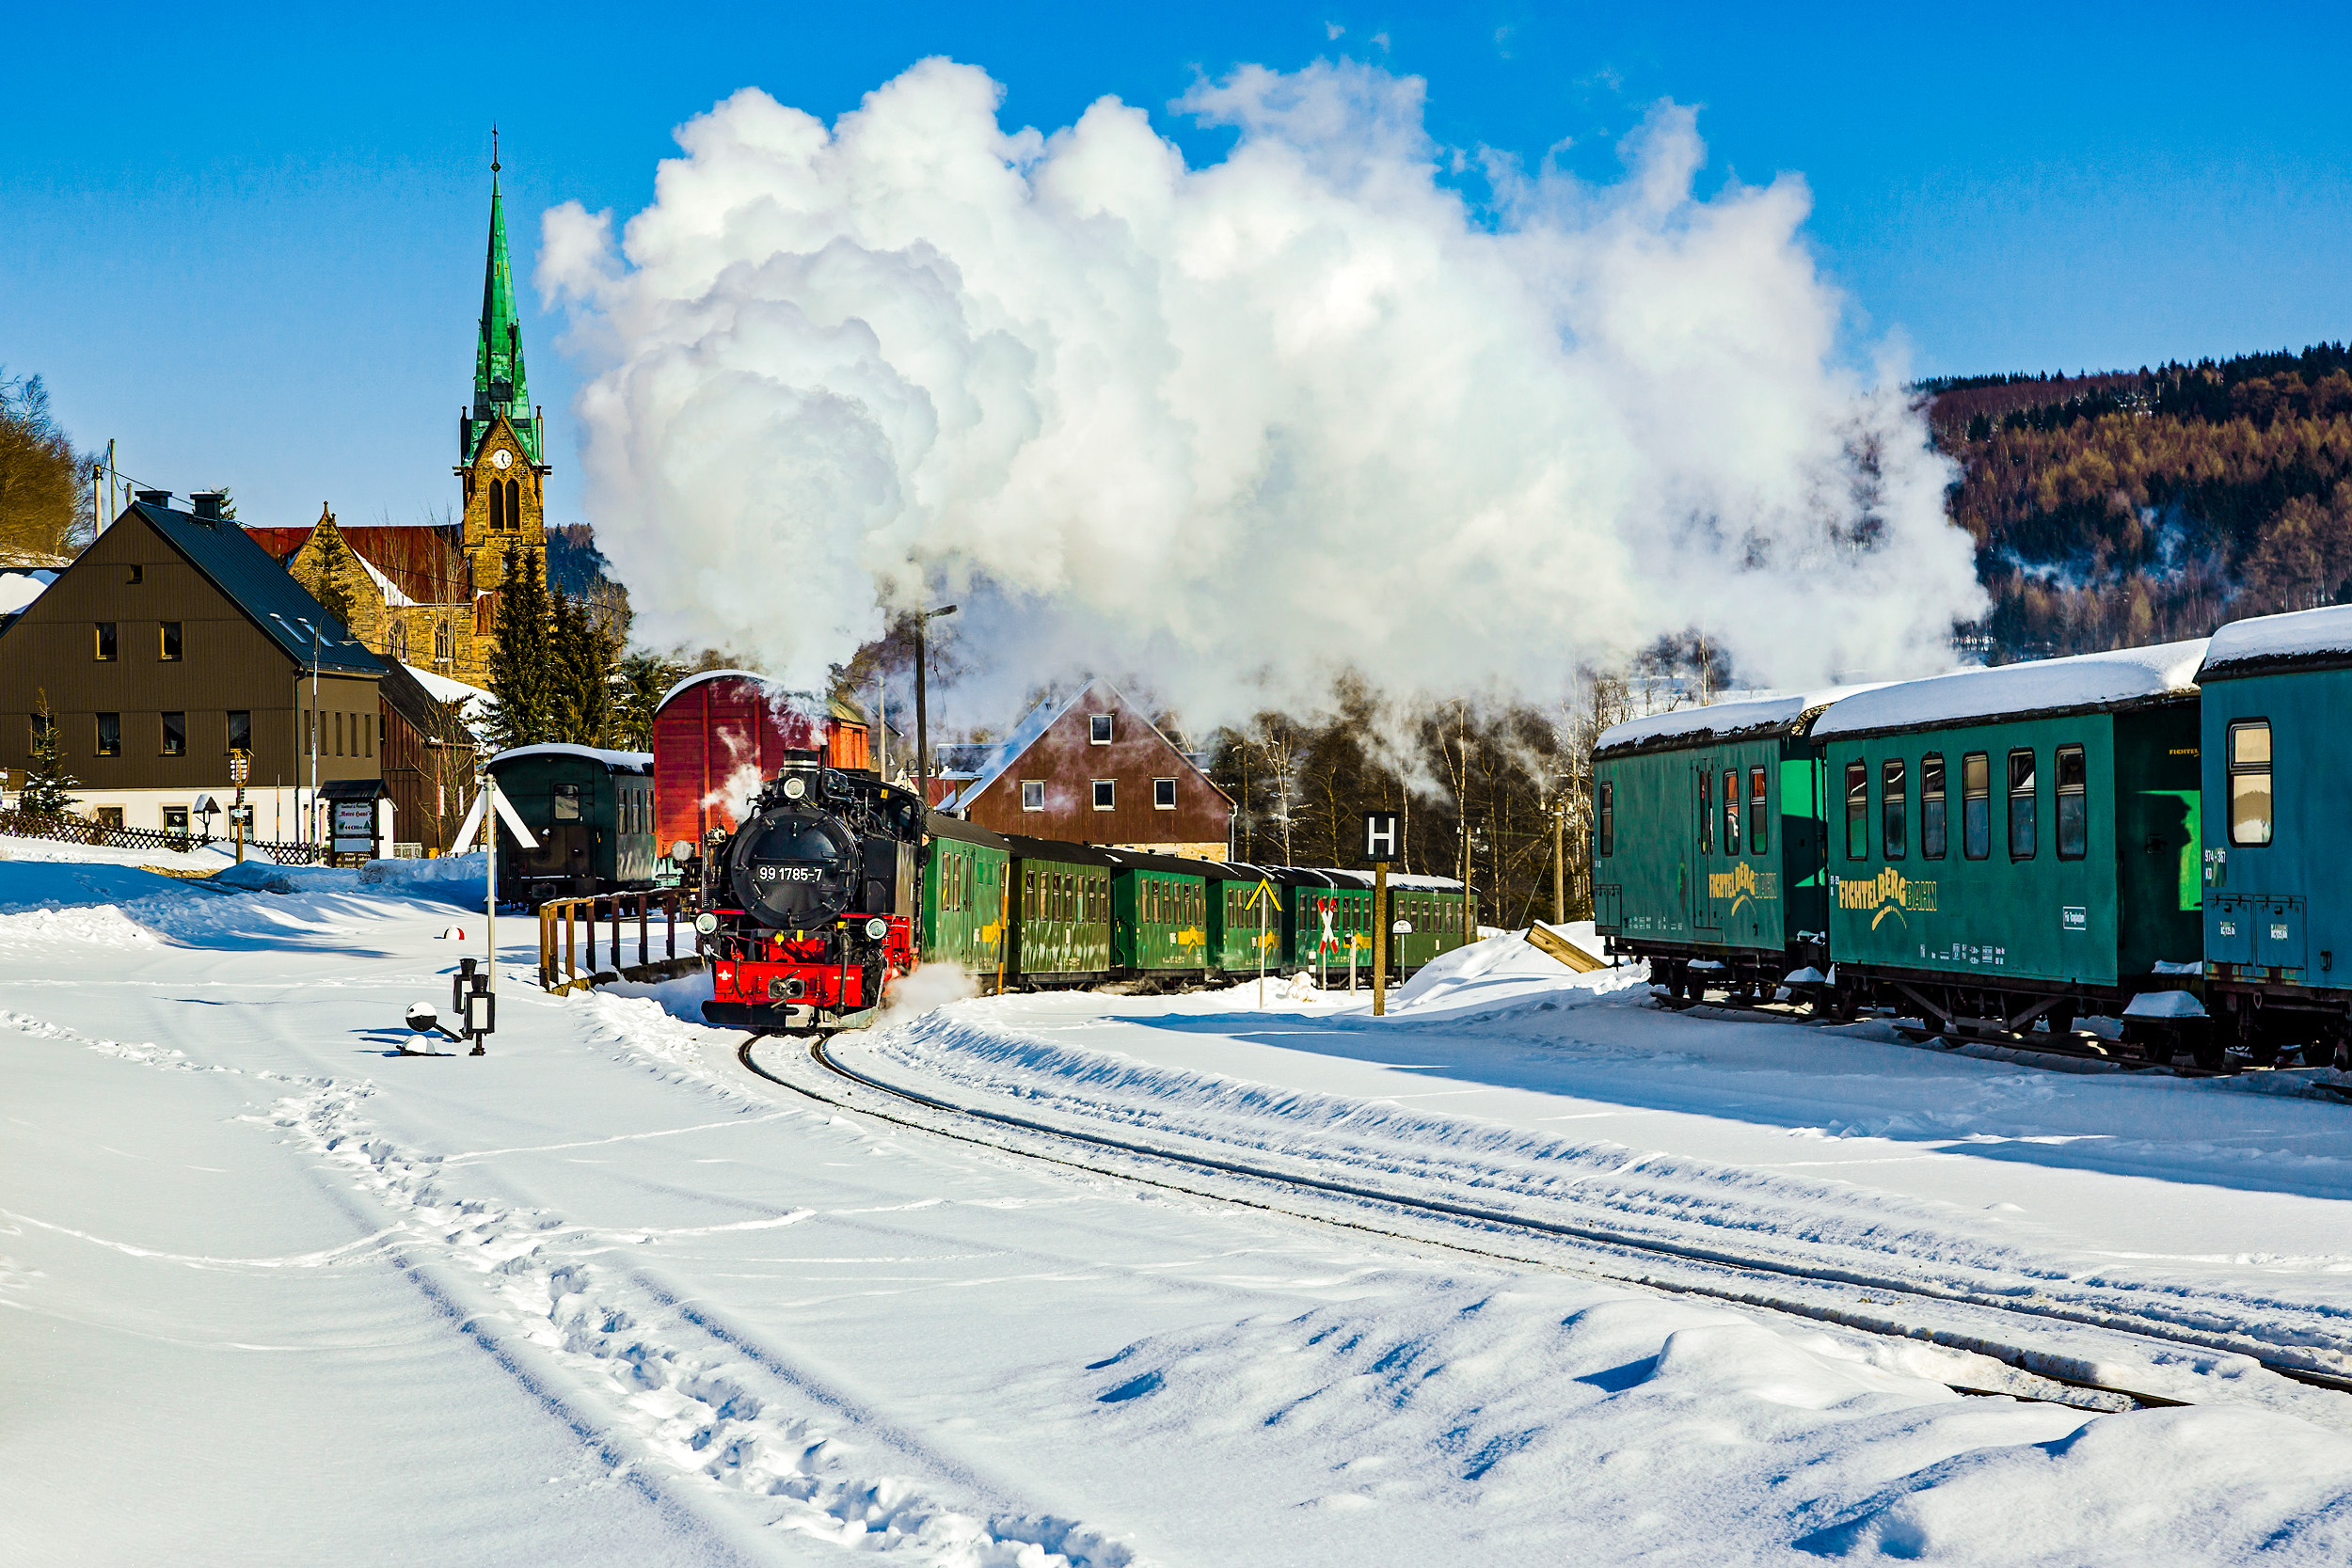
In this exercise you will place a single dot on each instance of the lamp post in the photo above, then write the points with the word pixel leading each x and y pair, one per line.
pixel 922 712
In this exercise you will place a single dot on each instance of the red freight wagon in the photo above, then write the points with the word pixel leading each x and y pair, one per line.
pixel 718 734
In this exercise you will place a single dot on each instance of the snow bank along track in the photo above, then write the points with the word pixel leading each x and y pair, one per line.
pixel 1845 1298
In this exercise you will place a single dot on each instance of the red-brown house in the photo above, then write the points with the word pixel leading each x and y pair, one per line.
pixel 1092 768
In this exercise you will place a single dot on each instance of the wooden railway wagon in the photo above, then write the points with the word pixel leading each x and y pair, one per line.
pixel 965 899
pixel 2017 844
pixel 1062 934
pixel 592 811
pixel 1159 916
pixel 718 735
pixel 1707 844
pixel 2275 738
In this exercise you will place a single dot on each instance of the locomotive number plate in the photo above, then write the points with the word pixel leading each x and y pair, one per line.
pixel 786 874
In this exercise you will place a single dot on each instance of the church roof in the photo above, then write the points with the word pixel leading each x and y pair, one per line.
pixel 416 561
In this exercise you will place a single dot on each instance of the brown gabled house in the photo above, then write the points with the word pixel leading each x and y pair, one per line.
pixel 171 640
pixel 1092 769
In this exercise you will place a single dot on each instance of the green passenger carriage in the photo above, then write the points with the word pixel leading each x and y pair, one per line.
pixel 591 811
pixel 2019 844
pixel 1159 915
pixel 1062 932
pixel 965 898
pixel 1708 846
pixel 2277 745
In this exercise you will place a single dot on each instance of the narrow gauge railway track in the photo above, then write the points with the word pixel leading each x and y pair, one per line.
pixel 1749 1282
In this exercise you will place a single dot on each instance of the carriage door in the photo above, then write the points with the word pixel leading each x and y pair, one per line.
pixel 1706 922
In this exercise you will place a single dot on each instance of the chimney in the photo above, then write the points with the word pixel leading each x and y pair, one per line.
pixel 158 499
pixel 206 504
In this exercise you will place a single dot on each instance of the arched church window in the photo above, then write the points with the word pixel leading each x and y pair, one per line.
pixel 441 654
pixel 513 504
pixel 400 640
pixel 498 507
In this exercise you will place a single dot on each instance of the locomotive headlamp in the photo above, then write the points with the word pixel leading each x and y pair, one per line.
pixel 794 789
pixel 706 924
pixel 878 927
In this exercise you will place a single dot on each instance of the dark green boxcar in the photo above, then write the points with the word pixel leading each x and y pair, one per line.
pixel 2277 757
pixel 1707 844
pixel 2017 842
pixel 1159 914
pixel 964 898
pixel 592 813
pixel 1062 928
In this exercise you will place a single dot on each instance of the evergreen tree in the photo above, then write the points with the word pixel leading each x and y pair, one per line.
pixel 46 781
pixel 335 558
pixel 582 668
pixel 640 683
pixel 523 676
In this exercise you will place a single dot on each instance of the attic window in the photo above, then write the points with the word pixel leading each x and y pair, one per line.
pixel 1163 793
pixel 138 573
pixel 1099 727
pixel 1033 795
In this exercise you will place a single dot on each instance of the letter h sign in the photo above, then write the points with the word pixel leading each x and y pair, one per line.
pixel 1380 836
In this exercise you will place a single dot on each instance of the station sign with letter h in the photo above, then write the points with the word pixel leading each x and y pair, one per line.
pixel 1383 834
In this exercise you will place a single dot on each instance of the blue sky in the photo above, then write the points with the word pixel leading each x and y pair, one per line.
pixel 247 242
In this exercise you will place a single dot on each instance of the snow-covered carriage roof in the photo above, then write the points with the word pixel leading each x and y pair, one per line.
pixel 2302 640
pixel 2124 678
pixel 1718 722
pixel 618 762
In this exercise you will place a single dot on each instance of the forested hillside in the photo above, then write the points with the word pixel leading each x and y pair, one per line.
pixel 2139 506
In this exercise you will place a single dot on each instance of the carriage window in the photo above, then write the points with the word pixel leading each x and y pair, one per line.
pixel 1931 806
pixel 2021 823
pixel 567 802
pixel 1029 896
pixel 2253 811
pixel 2073 803
pixel 1976 805
pixel 1706 813
pixel 1731 810
pixel 1894 808
pixel 1606 813
pixel 1858 811
pixel 1758 839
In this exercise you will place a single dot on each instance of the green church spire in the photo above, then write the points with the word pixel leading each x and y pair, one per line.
pixel 498 364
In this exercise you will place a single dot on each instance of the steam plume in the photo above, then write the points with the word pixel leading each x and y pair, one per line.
pixel 1238 425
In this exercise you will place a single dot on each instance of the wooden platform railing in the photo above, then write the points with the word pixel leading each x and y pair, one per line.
pixel 568 934
pixel 81 829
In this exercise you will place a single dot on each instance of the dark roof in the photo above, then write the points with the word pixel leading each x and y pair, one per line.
pixel 253 580
pixel 425 713
pixel 1053 850
pixel 1169 865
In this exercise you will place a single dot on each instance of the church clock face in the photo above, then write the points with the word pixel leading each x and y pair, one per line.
pixel 502 459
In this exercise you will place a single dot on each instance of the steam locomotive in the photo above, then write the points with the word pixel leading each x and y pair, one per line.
pixel 809 904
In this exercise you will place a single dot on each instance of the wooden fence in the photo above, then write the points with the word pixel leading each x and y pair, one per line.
pixel 568 935
pixel 81 830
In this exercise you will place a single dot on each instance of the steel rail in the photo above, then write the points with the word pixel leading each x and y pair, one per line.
pixel 2044 1365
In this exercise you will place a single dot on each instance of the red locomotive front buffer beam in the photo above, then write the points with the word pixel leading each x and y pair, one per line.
pixel 776 969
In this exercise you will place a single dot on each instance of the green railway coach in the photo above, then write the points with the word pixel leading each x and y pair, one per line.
pixel 2277 720
pixel 1708 846
pixel 1159 915
pixel 591 811
pixel 1062 928
pixel 965 894
pixel 2017 844
pixel 1245 923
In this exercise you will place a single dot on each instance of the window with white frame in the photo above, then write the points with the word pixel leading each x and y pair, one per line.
pixel 1163 793
pixel 1099 728
pixel 1033 795
pixel 1106 794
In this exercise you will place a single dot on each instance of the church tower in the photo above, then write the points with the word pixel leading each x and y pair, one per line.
pixel 499 438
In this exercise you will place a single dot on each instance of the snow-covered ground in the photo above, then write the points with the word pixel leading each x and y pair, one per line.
pixel 273 1293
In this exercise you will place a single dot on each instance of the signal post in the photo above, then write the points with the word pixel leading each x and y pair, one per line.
pixel 1382 836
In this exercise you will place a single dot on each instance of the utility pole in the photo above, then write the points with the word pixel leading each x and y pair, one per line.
pixel 1558 855
pixel 922 711
pixel 314 726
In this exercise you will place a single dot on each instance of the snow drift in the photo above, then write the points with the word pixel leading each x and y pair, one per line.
pixel 1241 424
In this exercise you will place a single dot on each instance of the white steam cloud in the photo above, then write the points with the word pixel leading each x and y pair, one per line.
pixel 1239 426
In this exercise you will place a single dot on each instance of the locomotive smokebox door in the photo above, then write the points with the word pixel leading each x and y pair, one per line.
pixel 1383 836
